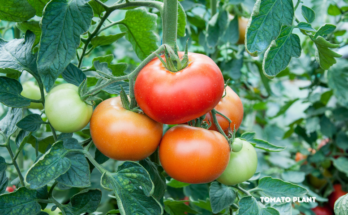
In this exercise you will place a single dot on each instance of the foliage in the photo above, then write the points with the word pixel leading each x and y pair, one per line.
pixel 290 71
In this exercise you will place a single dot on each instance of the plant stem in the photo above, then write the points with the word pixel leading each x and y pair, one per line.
pixel 213 5
pixel 94 162
pixel 170 22
pixel 297 4
pixel 53 132
pixel 14 162
pixel 157 5
pixel 244 191
pixel 213 113
pixel 94 33
pixel 50 193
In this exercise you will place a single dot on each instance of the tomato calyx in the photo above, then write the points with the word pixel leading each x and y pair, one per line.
pixel 199 122
pixel 172 60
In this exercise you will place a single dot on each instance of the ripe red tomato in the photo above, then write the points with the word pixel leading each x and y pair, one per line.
pixel 178 97
pixel 336 194
pixel 193 155
pixel 122 134
pixel 11 189
pixel 322 211
pixel 232 107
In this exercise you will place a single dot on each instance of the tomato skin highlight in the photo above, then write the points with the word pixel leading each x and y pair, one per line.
pixel 193 155
pixel 121 134
pixel 322 211
pixel 232 107
pixel 65 110
pixel 242 166
pixel 31 91
pixel 178 97
pixel 336 194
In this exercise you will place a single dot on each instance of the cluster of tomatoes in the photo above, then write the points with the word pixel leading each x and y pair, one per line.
pixel 190 154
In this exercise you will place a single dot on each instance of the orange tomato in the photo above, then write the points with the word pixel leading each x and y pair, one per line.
pixel 193 155
pixel 299 156
pixel 122 134
pixel 232 107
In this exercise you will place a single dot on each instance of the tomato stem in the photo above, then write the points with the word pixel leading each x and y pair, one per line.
pixel 213 113
pixel 213 5
pixel 170 22
pixel 14 162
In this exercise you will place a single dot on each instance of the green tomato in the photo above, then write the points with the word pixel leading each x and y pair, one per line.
pixel 237 145
pixel 241 167
pixel 65 110
pixel 31 91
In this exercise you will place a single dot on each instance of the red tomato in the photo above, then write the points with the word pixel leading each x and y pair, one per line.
pixel 336 194
pixel 193 155
pixel 232 107
pixel 121 134
pixel 322 211
pixel 178 97
pixel 11 189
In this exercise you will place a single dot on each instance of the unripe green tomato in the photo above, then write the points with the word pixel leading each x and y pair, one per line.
pixel 237 145
pixel 65 110
pixel 31 91
pixel 241 167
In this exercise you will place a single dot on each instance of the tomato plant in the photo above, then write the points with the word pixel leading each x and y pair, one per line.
pixel 241 166
pixel 184 149
pixel 173 107
pixel 122 134
pixel 65 110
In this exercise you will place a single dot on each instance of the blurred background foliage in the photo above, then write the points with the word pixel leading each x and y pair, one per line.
pixel 304 108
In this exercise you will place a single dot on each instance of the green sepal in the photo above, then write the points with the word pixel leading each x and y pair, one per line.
pixel 124 99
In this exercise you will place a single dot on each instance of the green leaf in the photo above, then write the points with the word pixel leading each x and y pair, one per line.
pixel 279 188
pixel 49 167
pixel 266 22
pixel 327 128
pixel 33 26
pixel 221 196
pixel 177 184
pixel 261 144
pixel 140 27
pixel 337 77
pixel 133 189
pixel 38 5
pixel 3 177
pixel 11 73
pixel 324 55
pixel 62 24
pixel 22 201
pixel 44 143
pixel 12 54
pixel 232 31
pixel 333 10
pixel 294 176
pixel 284 208
pixel 86 201
pixel 31 122
pixel 106 40
pixel 325 30
pixel 102 59
pixel 181 21
pixel 73 75
pixel 97 8
pixel 278 55
pixel 341 164
pixel 305 26
pixel 115 88
pixel 203 204
pixel 157 178
pixel 16 10
pixel 342 140
pixel 177 207
pixel 216 27
pixel 78 175
pixel 197 191
pixel 308 14
pixel 10 93
pixel 284 108
pixel 341 205
pixel 8 123
pixel 248 206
